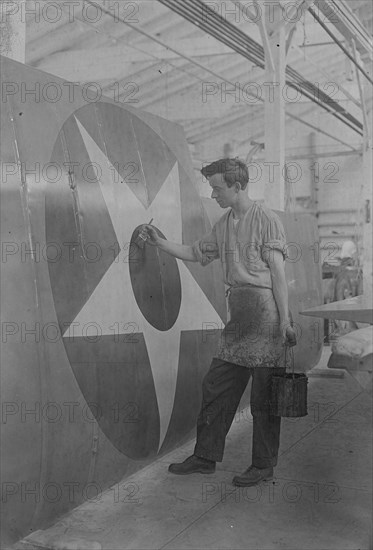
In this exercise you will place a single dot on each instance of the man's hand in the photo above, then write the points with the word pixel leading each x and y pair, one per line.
pixel 150 235
pixel 289 336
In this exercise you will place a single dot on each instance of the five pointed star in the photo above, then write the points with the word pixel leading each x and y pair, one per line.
pixel 113 303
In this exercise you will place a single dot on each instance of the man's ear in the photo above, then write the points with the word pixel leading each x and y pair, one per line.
pixel 238 186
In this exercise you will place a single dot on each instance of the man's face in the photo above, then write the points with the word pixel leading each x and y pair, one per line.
pixel 223 194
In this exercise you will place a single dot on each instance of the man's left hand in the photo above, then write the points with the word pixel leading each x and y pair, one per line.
pixel 289 336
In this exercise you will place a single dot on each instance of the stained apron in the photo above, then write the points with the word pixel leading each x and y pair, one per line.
pixel 252 337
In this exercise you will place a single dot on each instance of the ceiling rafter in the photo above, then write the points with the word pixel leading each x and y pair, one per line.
pixel 214 24
pixel 176 85
pixel 181 70
pixel 201 130
pixel 181 54
pixel 346 52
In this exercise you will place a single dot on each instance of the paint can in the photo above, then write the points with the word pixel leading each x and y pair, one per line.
pixel 289 392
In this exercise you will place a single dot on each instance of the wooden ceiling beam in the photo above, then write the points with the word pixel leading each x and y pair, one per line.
pixel 231 72
pixel 86 61
pixel 342 17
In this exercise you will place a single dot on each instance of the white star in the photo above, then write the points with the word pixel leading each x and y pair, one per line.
pixel 112 304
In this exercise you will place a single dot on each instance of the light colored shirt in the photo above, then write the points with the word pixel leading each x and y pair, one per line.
pixel 244 247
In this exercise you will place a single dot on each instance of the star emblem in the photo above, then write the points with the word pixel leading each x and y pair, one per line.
pixel 113 306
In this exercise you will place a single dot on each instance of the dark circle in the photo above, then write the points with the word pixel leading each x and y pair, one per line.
pixel 155 282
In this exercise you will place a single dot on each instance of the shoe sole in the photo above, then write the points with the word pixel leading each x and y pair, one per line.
pixel 240 483
pixel 193 472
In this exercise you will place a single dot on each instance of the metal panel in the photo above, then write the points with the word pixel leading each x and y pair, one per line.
pixel 115 387
pixel 109 403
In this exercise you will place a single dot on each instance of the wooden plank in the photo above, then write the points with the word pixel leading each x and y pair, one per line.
pixel 274 113
pixel 340 15
pixel 112 61
pixel 362 99
pixel 353 309
pixel 13 30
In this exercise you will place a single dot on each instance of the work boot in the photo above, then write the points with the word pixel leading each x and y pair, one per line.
pixel 252 476
pixel 192 465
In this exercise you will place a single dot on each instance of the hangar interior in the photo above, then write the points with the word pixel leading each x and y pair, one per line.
pixel 164 57
pixel 287 88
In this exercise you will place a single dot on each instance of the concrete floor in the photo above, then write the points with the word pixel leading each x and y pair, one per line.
pixel 321 497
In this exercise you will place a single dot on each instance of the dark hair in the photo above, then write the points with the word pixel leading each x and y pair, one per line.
pixel 232 169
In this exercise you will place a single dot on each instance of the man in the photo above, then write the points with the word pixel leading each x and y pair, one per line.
pixel 249 240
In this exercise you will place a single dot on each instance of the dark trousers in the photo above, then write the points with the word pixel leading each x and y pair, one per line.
pixel 222 389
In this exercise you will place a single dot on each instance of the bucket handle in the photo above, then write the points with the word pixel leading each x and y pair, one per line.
pixel 289 350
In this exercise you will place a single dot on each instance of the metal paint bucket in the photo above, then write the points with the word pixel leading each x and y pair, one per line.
pixel 289 392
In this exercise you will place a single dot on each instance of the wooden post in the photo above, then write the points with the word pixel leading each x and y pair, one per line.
pixel 314 175
pixel 367 183
pixel 367 217
pixel 368 228
pixel 13 29
pixel 274 109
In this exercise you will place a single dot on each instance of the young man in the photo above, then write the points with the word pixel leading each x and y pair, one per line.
pixel 249 240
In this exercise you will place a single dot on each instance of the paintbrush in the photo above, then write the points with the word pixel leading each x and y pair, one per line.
pixel 141 239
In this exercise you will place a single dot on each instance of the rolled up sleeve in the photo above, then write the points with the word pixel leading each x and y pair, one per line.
pixel 274 237
pixel 206 249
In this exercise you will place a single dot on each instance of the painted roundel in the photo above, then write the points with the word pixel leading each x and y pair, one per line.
pixel 155 282
pixel 123 310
